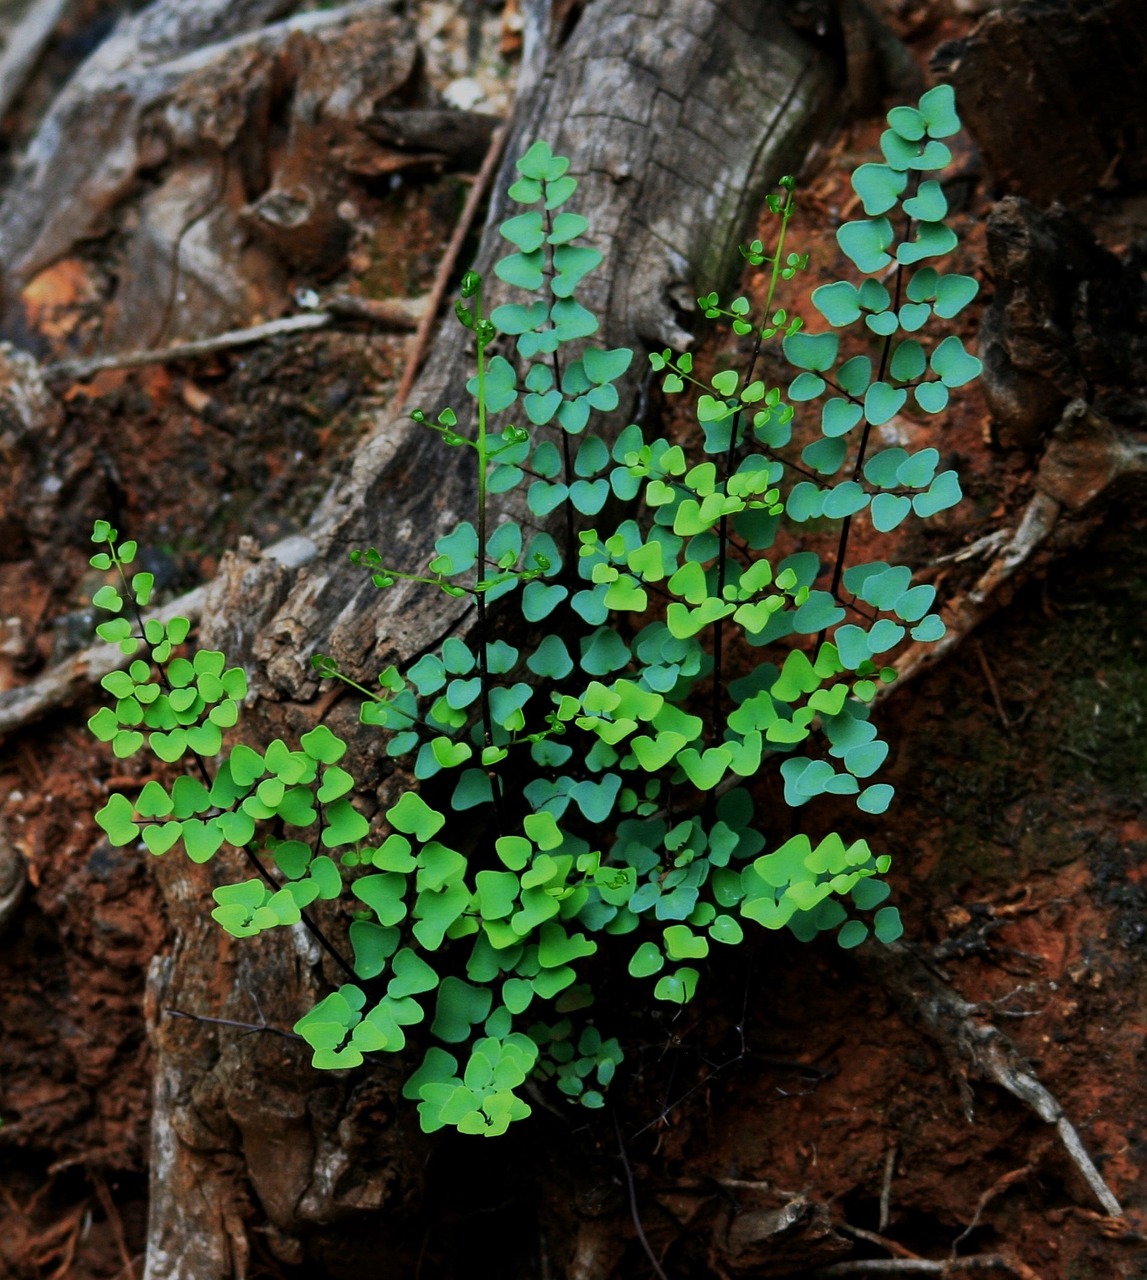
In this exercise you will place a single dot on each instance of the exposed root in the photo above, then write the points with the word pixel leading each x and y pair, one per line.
pixel 973 1046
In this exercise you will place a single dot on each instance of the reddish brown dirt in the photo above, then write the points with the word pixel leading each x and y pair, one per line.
pixel 1018 834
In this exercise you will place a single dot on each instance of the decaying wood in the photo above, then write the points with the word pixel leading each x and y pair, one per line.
pixel 972 1045
pixel 26 38
pixel 1068 71
pixel 628 99
pixel 1088 460
pixel 431 136
pixel 1065 321
pixel 1061 342
pixel 634 98
pixel 88 150
pixel 192 87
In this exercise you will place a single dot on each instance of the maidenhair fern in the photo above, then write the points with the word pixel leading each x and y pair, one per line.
pixel 587 788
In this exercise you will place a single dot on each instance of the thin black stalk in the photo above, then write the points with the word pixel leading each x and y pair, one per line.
pixel 715 718
pixel 857 471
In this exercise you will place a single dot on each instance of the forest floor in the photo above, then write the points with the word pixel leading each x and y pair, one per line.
pixel 795 1094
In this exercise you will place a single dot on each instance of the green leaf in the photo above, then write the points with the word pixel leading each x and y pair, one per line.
pixel 866 243
pixel 344 825
pixel 854 375
pixel 839 302
pixel 928 204
pixel 117 820
pixel 805 386
pixel 932 397
pixel 681 943
pixel 551 659
pixel 572 263
pixel 933 239
pixel 706 770
pixel 524 270
pixel 526 231
pixel 852 934
pixel 460 1006
pixel 908 361
pixel 606 366
pixel 825 456
pixel 938 110
pixel 875 799
pixel 677 987
pixel 840 416
pixel 887 924
pixel 815 352
pixel 879 187
pixel 108 598
pixel 412 975
pixel 882 402
pixel 942 493
pixel 952 363
pixel 321 745
pixel 908 123
pixel 953 293
pixel 413 816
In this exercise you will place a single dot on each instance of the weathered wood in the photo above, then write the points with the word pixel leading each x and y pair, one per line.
pixel 677 116
pixel 1064 321
pixel 1052 90
pixel 675 122
pixel 190 87
pixel 87 151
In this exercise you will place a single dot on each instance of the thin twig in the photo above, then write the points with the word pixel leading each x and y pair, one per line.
pixel 446 267
pixel 111 1213
pixel 997 1188
pixel 881 1242
pixel 397 314
pixel 83 370
pixel 886 1185
pixel 982 657
pixel 903 1266
pixel 231 1022
pixel 633 1203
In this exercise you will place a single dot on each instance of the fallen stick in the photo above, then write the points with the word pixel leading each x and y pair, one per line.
pixel 395 314
pixel 446 266
pixel 928 1266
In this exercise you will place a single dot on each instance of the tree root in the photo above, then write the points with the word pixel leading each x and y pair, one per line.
pixel 974 1047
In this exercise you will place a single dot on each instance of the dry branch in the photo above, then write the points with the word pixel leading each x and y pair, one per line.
pixel 394 314
pixel 972 1045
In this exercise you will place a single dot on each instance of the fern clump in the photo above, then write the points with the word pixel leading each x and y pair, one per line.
pixel 588 788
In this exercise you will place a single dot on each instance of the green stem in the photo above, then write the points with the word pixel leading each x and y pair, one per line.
pixel 483 334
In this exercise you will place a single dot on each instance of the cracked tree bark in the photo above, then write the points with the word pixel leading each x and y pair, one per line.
pixel 677 117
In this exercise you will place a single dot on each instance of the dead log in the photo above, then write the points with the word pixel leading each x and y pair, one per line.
pixel 1068 72
pixel 1066 320
pixel 187 91
pixel 677 117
